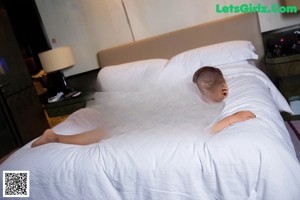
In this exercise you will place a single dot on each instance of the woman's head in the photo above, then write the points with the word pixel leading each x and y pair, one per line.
pixel 211 84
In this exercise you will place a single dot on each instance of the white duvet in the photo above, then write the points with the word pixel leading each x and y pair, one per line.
pixel 159 147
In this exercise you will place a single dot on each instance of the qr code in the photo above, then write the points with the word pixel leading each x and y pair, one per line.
pixel 15 183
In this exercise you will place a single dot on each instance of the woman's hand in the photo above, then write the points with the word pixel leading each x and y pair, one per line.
pixel 241 116
pixel 234 118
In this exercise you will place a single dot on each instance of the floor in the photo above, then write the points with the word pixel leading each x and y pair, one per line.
pixel 53 121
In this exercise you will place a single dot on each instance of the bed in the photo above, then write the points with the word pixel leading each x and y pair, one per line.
pixel 159 145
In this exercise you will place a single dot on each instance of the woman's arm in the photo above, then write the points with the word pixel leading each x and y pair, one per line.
pixel 236 117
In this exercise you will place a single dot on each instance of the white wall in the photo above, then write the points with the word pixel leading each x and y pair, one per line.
pixel 85 25
pixel 270 21
pixel 153 17
pixel 91 25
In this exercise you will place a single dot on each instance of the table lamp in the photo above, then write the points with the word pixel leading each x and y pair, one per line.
pixel 53 62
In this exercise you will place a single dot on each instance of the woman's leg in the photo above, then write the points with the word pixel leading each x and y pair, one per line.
pixel 84 138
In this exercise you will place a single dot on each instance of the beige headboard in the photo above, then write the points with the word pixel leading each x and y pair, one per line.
pixel 238 27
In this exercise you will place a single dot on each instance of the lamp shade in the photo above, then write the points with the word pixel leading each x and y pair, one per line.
pixel 56 59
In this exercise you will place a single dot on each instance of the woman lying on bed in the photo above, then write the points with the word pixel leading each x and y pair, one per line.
pixel 212 86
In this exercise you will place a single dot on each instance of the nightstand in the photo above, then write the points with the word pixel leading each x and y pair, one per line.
pixel 282 48
pixel 68 106
pixel 285 73
pixel 284 66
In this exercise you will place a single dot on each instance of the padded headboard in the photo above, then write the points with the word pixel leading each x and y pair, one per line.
pixel 238 27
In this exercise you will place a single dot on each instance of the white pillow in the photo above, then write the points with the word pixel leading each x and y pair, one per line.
pixel 186 63
pixel 129 76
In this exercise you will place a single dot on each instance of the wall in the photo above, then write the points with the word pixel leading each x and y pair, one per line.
pixel 91 25
pixel 86 26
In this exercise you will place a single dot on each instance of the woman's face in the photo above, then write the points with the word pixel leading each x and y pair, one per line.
pixel 214 94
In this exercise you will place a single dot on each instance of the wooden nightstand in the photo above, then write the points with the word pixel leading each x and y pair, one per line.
pixel 282 48
pixel 285 66
pixel 285 73
pixel 68 106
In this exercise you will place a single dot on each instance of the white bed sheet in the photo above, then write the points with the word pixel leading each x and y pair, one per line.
pixel 161 152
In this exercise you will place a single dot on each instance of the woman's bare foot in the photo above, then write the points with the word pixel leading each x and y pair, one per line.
pixel 47 137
